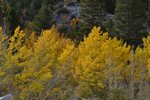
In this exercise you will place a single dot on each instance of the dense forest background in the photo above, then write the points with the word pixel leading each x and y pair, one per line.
pixel 125 19
pixel 75 49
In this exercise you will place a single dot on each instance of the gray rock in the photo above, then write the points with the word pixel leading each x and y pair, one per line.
pixel 7 97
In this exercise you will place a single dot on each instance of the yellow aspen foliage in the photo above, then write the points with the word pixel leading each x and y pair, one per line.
pixel 15 44
pixel 101 58
pixel 10 62
pixel 67 63
pixel 2 39
pixel 30 40
pixel 2 48
pixel 89 63
pixel 147 51
pixel 16 41
pixel 48 47
pixel 115 55
pixel 46 50
pixel 139 70
pixel 140 64
pixel 51 67
pixel 67 53
pixel 16 56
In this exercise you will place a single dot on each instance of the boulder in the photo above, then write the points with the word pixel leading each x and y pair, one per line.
pixel 7 97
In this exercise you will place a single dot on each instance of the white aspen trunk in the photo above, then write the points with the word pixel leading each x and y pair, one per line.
pixel 132 76
pixel 140 94
pixel 110 72
pixel 142 90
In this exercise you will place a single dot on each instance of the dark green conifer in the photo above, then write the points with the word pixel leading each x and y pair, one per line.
pixel 43 19
pixel 130 19
pixel 92 13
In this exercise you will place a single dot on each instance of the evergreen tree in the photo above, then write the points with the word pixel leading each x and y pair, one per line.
pixel 12 15
pixel 43 19
pixel 35 5
pixel 92 13
pixel 148 21
pixel 129 20
pixel 110 6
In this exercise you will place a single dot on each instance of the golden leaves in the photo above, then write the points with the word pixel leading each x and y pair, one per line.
pixel 51 60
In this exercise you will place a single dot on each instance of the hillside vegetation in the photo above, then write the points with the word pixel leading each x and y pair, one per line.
pixel 51 67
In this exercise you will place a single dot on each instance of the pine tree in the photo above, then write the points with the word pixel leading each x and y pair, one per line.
pixel 43 20
pixel 129 20
pixel 110 6
pixel 12 13
pixel 35 5
pixel 92 13
pixel 148 21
